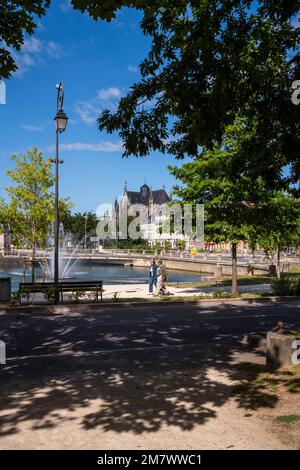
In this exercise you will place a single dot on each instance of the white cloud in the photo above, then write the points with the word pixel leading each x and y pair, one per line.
pixel 133 68
pixel 33 53
pixel 65 6
pixel 32 46
pixel 106 94
pixel 30 128
pixel 89 111
pixel 54 50
pixel 104 146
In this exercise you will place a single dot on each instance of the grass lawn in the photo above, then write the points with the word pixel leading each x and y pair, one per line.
pixel 226 281
pixel 249 280
pixel 279 382
pixel 282 385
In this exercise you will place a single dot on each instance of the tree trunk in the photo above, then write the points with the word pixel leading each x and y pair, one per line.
pixel 234 289
pixel 33 264
pixel 278 264
pixel 33 255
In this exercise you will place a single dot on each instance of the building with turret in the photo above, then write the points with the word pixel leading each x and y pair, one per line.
pixel 152 203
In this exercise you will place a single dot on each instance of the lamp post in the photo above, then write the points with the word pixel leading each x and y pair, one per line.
pixel 85 229
pixel 60 124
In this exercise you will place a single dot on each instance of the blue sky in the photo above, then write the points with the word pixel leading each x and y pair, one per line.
pixel 97 62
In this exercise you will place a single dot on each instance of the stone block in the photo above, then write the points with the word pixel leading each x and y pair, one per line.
pixel 5 289
pixel 280 351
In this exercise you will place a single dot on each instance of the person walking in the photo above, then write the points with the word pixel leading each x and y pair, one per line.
pixel 152 276
pixel 159 281
pixel 161 274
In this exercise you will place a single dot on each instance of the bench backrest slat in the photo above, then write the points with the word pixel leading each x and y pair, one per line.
pixel 61 285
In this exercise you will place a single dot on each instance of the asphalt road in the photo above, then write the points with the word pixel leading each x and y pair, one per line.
pixel 154 337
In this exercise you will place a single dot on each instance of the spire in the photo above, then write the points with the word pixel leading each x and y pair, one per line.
pixel 125 187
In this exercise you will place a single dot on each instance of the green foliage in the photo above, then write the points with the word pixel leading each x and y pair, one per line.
pixel 286 285
pixel 25 294
pixel 49 295
pixel 219 179
pixel 157 248
pixel 288 419
pixel 95 293
pixel 168 245
pixel 17 19
pixel 209 62
pixel 30 208
pixel 15 298
pixel 181 244
pixel 77 295
pixel 76 224
pixel 237 205
pixel 282 226
pixel 221 294
pixel 31 205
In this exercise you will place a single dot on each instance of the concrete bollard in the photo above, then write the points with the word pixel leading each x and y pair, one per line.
pixel 280 351
pixel 5 289
pixel 2 353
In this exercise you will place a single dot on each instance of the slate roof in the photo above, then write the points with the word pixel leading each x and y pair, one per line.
pixel 159 196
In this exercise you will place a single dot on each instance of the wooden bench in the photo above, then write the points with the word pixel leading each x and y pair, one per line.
pixel 63 286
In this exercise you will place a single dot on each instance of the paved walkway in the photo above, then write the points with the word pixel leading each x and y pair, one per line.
pixel 127 291
pixel 140 291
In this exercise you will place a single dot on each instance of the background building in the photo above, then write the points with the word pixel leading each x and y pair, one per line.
pixel 153 203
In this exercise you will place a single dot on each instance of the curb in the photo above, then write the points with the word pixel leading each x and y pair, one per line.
pixel 81 308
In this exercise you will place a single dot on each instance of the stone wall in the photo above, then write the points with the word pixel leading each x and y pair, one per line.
pixel 201 267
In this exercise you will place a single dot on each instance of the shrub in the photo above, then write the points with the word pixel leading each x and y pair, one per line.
pixel 50 295
pixel 15 298
pixel 286 285
pixel 221 294
pixel 95 294
pixel 77 295
pixel 25 294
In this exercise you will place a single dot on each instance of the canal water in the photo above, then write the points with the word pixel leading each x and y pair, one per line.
pixel 109 274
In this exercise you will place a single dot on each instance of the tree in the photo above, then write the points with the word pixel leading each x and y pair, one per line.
pixel 220 180
pixel 31 203
pixel 78 222
pixel 17 19
pixel 209 62
pixel 281 228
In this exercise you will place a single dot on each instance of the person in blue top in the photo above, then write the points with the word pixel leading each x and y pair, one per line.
pixel 152 276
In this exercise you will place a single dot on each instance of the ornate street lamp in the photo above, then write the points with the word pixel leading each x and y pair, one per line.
pixel 61 121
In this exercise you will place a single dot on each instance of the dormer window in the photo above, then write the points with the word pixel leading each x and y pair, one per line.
pixel 144 191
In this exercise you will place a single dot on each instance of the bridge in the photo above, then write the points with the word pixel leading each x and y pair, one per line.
pixel 217 264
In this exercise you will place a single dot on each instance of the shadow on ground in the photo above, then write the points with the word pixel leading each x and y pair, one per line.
pixel 139 372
